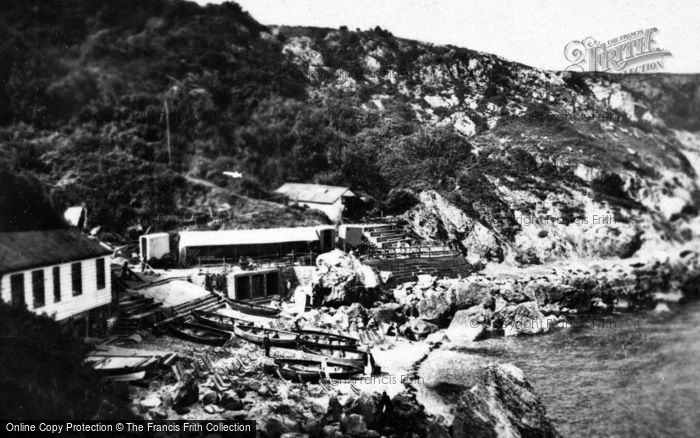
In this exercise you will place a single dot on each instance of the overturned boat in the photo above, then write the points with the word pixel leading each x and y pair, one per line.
pixel 252 308
pixel 199 333
pixel 256 335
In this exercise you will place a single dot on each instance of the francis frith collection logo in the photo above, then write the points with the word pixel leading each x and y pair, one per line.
pixel 635 52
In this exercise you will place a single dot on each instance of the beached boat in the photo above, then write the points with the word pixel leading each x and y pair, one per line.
pixel 217 320
pixel 354 358
pixel 323 339
pixel 312 371
pixel 278 338
pixel 128 377
pixel 252 308
pixel 198 333
pixel 119 365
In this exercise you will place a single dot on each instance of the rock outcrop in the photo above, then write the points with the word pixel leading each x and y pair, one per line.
pixel 344 279
pixel 501 404
pixel 531 301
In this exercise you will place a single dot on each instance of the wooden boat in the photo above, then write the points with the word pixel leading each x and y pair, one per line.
pixel 202 334
pixel 353 358
pixel 128 377
pixel 255 334
pixel 119 365
pixel 217 320
pixel 311 370
pixel 252 308
pixel 323 339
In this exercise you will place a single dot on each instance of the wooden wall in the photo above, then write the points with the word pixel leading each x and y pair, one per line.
pixel 69 305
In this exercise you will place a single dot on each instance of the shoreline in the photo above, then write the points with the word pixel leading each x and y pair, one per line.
pixel 496 298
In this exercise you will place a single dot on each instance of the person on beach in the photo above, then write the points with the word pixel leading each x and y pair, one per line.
pixel 386 408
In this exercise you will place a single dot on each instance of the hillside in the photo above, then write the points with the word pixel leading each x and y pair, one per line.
pixel 506 161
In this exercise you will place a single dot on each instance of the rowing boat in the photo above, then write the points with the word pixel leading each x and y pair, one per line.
pixel 256 335
pixel 118 365
pixel 353 358
pixel 199 333
pixel 128 377
pixel 312 371
pixel 252 308
pixel 322 339
pixel 217 320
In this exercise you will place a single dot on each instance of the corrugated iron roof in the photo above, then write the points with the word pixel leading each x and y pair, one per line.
pixel 316 193
pixel 248 237
pixel 32 249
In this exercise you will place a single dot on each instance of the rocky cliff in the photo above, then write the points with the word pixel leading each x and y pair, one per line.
pixel 136 110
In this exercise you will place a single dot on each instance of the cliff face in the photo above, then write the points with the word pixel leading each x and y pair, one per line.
pixel 123 106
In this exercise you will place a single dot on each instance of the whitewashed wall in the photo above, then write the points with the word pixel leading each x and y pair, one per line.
pixel 157 245
pixel 69 305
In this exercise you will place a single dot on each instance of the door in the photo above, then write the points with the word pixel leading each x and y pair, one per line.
pixel 243 287
pixel 258 286
pixel 327 240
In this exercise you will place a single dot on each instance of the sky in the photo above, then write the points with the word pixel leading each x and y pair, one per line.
pixel 533 32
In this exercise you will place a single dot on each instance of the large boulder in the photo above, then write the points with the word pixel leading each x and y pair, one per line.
pixel 353 424
pixel 386 313
pixel 419 327
pixel 524 319
pixel 187 394
pixel 468 325
pixel 502 403
pixel 469 292
pixel 366 406
pixel 435 306
pixel 231 400
pixel 342 275
pixel 409 417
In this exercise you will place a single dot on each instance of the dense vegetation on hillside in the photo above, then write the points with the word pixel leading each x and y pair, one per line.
pixel 122 104
pixel 43 376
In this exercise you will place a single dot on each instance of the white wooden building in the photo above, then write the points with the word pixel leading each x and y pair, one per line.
pixel 60 273
pixel 328 199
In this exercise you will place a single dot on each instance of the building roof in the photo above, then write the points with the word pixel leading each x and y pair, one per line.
pixel 248 237
pixel 32 249
pixel 315 193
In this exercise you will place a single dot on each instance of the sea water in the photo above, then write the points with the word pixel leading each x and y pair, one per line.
pixel 629 375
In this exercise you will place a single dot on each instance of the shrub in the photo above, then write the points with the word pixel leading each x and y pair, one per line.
pixel 42 374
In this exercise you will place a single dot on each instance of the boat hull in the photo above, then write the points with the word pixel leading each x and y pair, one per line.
pixel 311 370
pixel 217 321
pixel 253 309
pixel 199 333
pixel 356 360
pixel 256 335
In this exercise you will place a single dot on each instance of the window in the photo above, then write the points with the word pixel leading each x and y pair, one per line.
pixel 100 265
pixel 76 271
pixel 17 289
pixel 56 284
pixel 38 288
